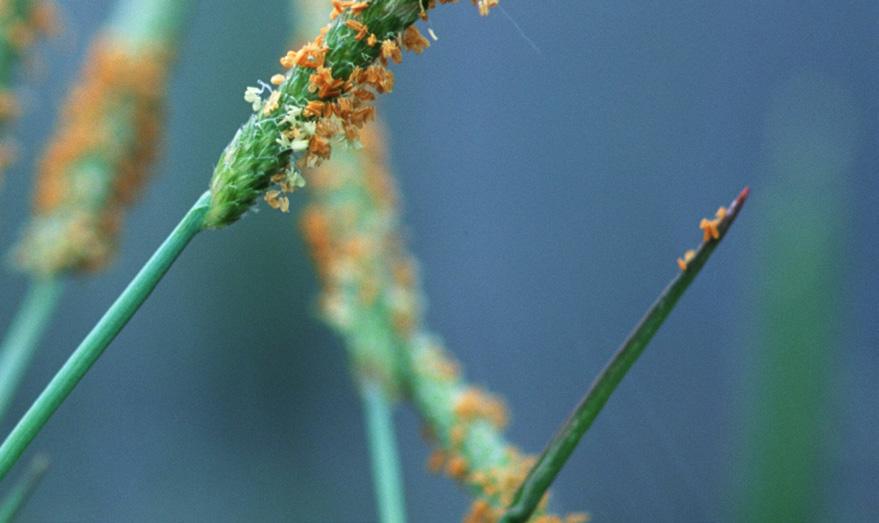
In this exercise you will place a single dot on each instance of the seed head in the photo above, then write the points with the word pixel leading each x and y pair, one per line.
pixel 323 100
pixel 97 161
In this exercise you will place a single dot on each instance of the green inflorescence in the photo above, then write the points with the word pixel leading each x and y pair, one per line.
pixel 259 151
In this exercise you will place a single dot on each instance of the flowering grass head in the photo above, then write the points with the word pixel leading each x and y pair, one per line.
pixel 371 296
pixel 324 98
pixel 105 142
pixel 97 161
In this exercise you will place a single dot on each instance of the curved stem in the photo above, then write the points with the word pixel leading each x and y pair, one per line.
pixel 386 473
pixel 561 447
pixel 23 336
pixel 101 335
pixel 15 500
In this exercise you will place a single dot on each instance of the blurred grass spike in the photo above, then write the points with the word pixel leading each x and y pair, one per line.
pixel 21 23
pixel 20 493
pixel 22 336
pixel 371 297
pixel 105 143
pixel 531 493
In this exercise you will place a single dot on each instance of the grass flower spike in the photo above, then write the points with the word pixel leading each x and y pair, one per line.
pixel 371 296
pixel 105 144
pixel 324 97
pixel 18 495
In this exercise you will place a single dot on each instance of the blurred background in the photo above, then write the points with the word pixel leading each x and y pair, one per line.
pixel 555 159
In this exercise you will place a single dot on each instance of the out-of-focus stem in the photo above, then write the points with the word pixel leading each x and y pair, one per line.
pixel 790 399
pixel 17 497
pixel 386 470
pixel 23 336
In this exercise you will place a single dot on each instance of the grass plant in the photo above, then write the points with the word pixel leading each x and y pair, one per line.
pixel 325 94
pixel 371 291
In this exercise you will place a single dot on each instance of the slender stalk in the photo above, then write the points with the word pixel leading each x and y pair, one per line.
pixel 561 447
pixel 101 335
pixel 15 500
pixel 23 336
pixel 386 475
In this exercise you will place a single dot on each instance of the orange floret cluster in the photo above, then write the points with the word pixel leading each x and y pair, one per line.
pixel 710 231
pixel 348 243
pixel 90 173
pixel 496 484
pixel 475 403
pixel 709 227
pixel 337 108
pixel 341 106
pixel 688 257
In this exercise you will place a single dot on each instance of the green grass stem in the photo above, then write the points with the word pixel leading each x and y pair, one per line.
pixel 561 447
pixel 15 500
pixel 23 336
pixel 386 474
pixel 101 335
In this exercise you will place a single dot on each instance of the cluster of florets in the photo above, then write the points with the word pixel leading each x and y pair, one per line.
pixel 337 105
pixel 90 172
pixel 470 406
pixel 463 454
pixel 352 241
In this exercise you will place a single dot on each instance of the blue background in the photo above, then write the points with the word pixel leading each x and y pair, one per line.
pixel 554 159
